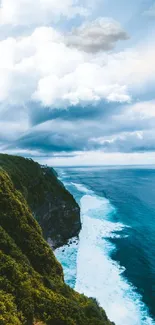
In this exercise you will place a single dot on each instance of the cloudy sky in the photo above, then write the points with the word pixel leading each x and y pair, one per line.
pixel 77 81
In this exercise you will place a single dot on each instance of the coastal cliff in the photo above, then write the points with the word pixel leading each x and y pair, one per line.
pixel 51 204
pixel 32 288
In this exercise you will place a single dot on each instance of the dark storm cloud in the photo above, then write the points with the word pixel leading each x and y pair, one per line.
pixel 59 135
pixel 38 114
pixel 106 127
pixel 123 129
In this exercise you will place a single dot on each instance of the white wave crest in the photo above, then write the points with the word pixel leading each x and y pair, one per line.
pixel 81 188
pixel 97 274
pixel 89 268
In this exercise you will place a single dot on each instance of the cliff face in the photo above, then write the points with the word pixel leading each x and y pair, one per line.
pixel 52 205
pixel 32 289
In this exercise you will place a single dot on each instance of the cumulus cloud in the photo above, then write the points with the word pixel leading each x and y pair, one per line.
pixel 98 35
pixel 33 68
pixel 42 68
pixel 27 12
pixel 67 94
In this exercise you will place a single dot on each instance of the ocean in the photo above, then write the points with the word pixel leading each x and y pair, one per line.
pixel 114 258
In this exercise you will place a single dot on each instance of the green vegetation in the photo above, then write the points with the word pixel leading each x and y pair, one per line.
pixel 32 288
pixel 52 205
pixel 32 180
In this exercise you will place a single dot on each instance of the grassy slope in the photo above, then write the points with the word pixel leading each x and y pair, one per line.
pixel 32 288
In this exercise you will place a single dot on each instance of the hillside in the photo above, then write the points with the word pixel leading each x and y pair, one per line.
pixel 52 205
pixel 32 288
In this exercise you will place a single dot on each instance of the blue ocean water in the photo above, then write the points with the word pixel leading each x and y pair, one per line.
pixel 114 258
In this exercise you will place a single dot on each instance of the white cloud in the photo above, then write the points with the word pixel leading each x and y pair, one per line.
pixel 28 12
pixel 142 110
pixel 133 130
pixel 98 35
pixel 128 141
pixel 41 67
pixel 139 116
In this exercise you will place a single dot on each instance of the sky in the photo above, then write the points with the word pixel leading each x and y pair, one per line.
pixel 77 81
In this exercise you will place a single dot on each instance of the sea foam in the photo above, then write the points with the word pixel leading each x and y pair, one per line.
pixel 97 274
pixel 89 267
pixel 81 188
pixel 67 256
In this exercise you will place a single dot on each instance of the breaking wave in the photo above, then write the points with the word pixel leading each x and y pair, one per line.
pixel 88 265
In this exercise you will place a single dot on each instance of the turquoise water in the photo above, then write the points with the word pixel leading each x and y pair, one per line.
pixel 114 259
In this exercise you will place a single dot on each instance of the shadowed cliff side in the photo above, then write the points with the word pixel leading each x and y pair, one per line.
pixel 32 289
pixel 52 205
